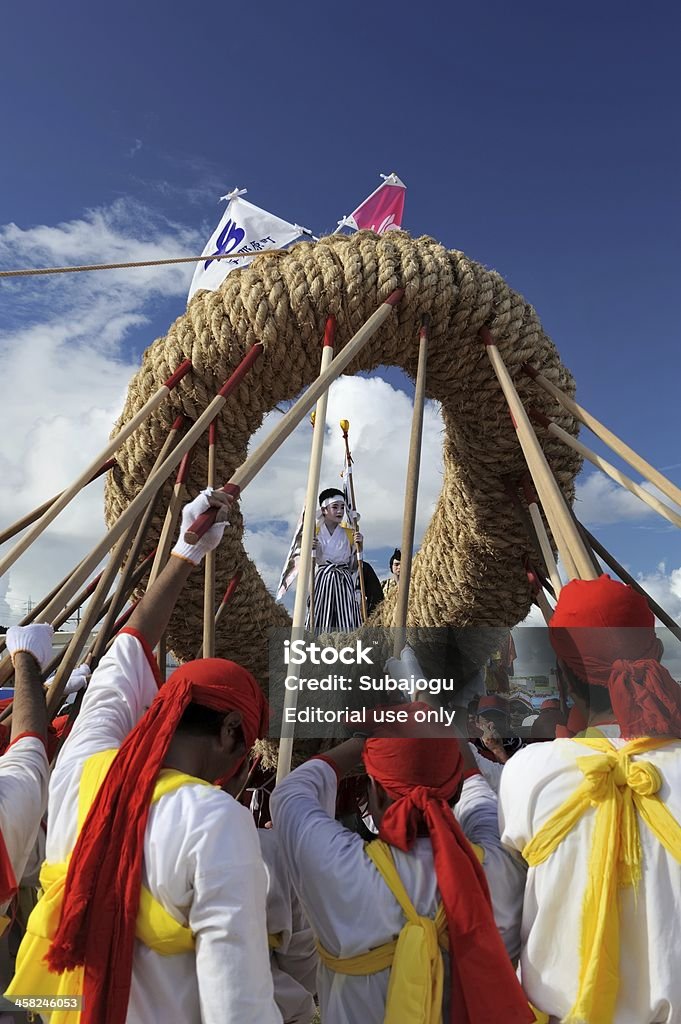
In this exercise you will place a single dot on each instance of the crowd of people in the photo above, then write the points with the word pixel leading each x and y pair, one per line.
pixel 505 879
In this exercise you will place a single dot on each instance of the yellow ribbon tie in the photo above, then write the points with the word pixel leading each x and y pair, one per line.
pixel 621 790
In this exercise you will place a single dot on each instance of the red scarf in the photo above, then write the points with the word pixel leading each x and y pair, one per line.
pixel 97 925
pixel 421 774
pixel 605 632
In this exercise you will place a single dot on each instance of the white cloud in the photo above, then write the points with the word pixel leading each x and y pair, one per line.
pixel 380 422
pixel 66 371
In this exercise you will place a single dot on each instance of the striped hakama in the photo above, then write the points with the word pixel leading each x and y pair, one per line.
pixel 335 603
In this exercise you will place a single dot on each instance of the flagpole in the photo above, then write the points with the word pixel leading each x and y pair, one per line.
pixel 209 562
pixel 305 560
pixel 345 426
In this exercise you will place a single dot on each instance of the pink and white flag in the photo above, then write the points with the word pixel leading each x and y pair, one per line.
pixel 382 211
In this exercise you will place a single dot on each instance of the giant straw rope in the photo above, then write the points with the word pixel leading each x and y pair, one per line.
pixel 469 570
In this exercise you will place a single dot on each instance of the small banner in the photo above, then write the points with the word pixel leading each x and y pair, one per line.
pixel 382 211
pixel 244 228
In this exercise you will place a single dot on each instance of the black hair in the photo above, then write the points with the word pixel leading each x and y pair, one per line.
pixel 331 492
pixel 395 557
pixel 201 721
pixel 597 698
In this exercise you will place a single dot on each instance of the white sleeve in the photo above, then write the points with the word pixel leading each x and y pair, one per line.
pixel 324 859
pixel 227 918
pixel 121 689
pixel 477 814
pixel 515 786
pixel 24 772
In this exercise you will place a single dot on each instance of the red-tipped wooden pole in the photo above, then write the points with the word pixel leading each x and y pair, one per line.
pixel 306 543
pixel 67 495
pixel 565 533
pixel 612 440
pixel 411 492
pixel 154 481
pixel 222 607
pixel 173 512
pixel 209 562
pixel 31 517
pixel 255 462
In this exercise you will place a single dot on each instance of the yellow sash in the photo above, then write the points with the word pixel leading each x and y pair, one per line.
pixel 417 976
pixel 155 927
pixel 619 788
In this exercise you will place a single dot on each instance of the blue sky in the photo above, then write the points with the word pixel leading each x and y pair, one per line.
pixel 541 139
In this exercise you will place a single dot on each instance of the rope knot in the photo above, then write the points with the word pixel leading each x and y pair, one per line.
pixel 603 771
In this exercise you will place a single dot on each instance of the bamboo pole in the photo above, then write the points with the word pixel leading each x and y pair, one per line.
pixel 172 518
pixel 154 481
pixel 67 495
pixel 222 607
pixel 542 536
pixel 305 559
pixel 607 467
pixel 36 611
pixel 31 517
pixel 255 462
pixel 54 663
pixel 548 490
pixel 209 562
pixel 123 586
pixel 626 577
pixel 354 516
pixel 622 449
pixel 90 617
pixel 411 494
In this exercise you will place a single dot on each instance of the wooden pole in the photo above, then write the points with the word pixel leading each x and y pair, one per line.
pixel 411 494
pixel 540 598
pixel 305 559
pixel 173 513
pixel 345 426
pixel 122 591
pixel 542 536
pixel 612 440
pixel 222 607
pixel 550 495
pixel 154 482
pixel 255 462
pixel 209 562
pixel 67 495
pixel 90 617
pixel 607 467
pixel 31 517
pixel 626 577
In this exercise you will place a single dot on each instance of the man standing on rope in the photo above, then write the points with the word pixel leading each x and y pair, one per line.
pixel 422 881
pixel 24 767
pixel 335 604
pixel 154 886
pixel 603 811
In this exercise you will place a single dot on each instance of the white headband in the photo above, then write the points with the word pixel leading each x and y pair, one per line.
pixel 333 500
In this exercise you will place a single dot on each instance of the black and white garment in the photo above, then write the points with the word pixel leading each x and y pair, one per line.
pixel 335 604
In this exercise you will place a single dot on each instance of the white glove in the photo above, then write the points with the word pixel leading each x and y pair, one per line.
pixel 206 499
pixel 35 639
pixel 78 679
pixel 407 668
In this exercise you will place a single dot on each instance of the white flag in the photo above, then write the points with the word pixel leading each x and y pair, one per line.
pixel 244 228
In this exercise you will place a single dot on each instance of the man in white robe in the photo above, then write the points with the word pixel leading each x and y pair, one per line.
pixel 630 974
pixel 201 859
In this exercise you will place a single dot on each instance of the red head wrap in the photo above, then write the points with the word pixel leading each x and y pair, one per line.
pixel 605 632
pixel 97 925
pixel 421 773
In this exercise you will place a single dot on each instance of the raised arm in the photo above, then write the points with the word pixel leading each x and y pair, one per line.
pixel 31 650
